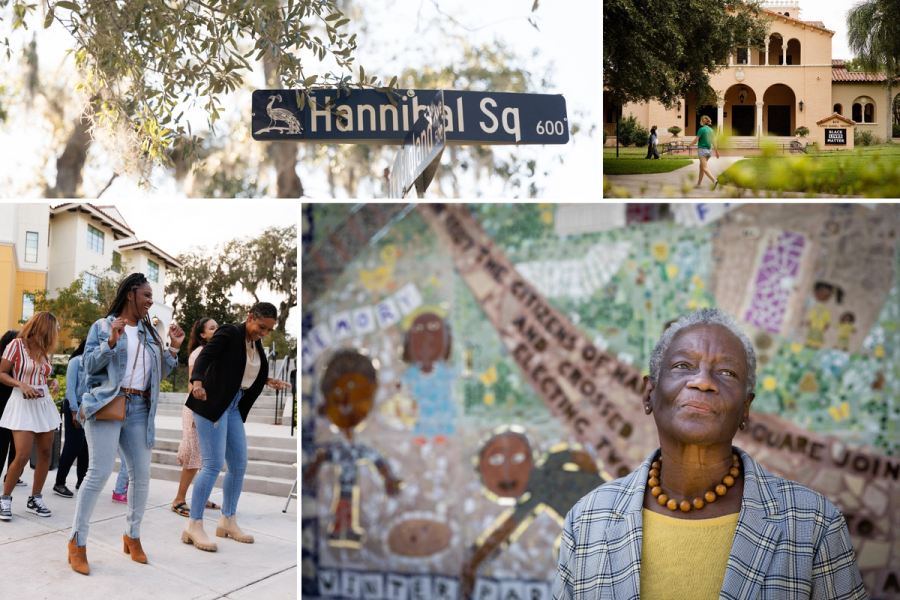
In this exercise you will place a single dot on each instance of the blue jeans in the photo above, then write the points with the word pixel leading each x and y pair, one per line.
pixel 122 479
pixel 103 439
pixel 223 440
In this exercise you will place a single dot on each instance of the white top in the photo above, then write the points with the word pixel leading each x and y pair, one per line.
pixel 137 376
pixel 251 369
pixel 193 357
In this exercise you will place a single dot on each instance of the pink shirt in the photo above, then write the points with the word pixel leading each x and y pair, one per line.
pixel 24 369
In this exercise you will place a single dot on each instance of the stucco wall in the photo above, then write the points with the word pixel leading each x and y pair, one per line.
pixel 846 93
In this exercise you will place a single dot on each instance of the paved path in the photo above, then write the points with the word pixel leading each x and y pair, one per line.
pixel 34 550
pixel 680 184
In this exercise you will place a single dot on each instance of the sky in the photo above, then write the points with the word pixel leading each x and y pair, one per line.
pixel 568 39
pixel 176 227
pixel 834 14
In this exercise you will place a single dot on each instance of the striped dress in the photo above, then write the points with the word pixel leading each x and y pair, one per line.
pixel 38 415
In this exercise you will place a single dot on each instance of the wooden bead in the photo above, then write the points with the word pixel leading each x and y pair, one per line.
pixel 698 503
pixel 710 497
pixel 684 506
pixel 729 480
pixel 656 491
pixel 653 482
pixel 721 489
pixel 654 473
pixel 655 465
pixel 671 504
pixel 734 471
pixel 662 499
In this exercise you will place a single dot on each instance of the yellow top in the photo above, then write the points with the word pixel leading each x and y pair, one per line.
pixel 682 559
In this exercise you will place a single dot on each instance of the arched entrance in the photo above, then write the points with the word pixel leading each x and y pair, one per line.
pixel 779 116
pixel 740 110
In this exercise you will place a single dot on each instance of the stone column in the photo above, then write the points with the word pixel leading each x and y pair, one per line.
pixel 767 53
pixel 783 53
pixel 721 115
pixel 731 59
pixel 759 115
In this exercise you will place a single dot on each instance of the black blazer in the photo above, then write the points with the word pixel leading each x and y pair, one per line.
pixel 220 367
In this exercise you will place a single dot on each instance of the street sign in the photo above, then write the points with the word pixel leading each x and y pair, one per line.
pixel 368 117
pixel 420 155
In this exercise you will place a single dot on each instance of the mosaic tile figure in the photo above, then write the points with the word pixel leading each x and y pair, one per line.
pixel 508 470
pixel 845 331
pixel 429 379
pixel 819 316
pixel 349 385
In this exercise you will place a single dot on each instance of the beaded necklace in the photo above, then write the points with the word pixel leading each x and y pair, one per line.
pixel 684 505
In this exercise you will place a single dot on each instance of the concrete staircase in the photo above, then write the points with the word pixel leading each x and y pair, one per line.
pixel 263 410
pixel 752 142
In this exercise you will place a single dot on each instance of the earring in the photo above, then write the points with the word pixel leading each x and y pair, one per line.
pixel 647 409
pixel 743 425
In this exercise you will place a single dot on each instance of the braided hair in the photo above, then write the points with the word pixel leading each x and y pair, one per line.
pixel 131 284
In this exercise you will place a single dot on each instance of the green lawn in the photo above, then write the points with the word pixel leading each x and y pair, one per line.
pixel 632 152
pixel 639 166
pixel 872 171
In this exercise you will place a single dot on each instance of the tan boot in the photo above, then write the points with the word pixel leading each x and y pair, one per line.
pixel 133 547
pixel 228 526
pixel 193 534
pixel 78 557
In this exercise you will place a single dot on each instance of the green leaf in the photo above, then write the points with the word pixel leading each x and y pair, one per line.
pixel 70 5
pixel 49 20
pixel 341 23
pixel 535 5
pixel 336 15
pixel 310 80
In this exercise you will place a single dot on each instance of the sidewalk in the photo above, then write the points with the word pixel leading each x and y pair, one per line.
pixel 680 184
pixel 33 550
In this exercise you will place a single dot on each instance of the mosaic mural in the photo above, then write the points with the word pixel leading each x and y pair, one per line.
pixel 432 463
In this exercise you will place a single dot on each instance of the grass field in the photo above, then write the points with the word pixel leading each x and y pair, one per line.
pixel 872 171
pixel 639 166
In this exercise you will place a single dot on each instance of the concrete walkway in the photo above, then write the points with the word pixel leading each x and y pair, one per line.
pixel 680 184
pixel 33 550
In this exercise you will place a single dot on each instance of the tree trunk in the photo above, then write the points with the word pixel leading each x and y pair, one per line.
pixel 70 165
pixel 282 154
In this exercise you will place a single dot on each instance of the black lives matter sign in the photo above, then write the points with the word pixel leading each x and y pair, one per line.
pixel 835 137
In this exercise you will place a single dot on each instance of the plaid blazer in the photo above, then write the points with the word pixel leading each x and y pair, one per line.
pixel 790 542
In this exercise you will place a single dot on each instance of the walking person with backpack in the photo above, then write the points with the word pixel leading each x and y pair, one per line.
pixel 125 360
pixel 30 412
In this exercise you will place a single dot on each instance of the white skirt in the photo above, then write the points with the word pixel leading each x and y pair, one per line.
pixel 38 415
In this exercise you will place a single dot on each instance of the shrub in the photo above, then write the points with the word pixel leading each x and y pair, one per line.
pixel 640 137
pixel 862 138
pixel 605 135
pixel 626 130
pixel 895 130
pixel 675 130
pixel 804 131
pixel 165 386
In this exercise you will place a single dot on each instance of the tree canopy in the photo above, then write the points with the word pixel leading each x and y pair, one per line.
pixel 665 49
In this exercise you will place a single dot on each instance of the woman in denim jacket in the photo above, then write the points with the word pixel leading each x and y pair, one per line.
pixel 124 355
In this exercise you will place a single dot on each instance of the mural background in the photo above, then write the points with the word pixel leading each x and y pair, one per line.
pixel 790 273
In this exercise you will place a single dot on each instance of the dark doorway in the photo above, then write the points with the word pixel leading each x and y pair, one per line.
pixel 779 120
pixel 710 111
pixel 742 120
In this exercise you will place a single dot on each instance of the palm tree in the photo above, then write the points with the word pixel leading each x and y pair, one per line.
pixel 876 42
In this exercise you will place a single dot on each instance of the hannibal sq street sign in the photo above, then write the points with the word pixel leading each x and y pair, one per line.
pixel 368 117
pixel 420 156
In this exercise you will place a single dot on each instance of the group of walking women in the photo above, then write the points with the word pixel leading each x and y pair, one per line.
pixel 116 383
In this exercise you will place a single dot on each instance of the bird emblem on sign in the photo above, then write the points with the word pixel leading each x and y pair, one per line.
pixel 292 125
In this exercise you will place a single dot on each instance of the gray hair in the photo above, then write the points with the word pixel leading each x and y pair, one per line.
pixel 704 316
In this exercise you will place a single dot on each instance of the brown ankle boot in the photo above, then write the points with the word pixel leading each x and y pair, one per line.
pixel 133 547
pixel 193 534
pixel 228 526
pixel 78 557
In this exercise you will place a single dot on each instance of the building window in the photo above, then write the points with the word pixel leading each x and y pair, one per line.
pixel 742 56
pixel 152 271
pixel 857 112
pixel 95 239
pixel 31 246
pixel 838 109
pixel 27 306
pixel 90 283
pixel 869 113
pixel 116 262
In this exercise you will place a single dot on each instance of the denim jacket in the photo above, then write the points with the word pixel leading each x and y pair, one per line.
pixel 105 370
pixel 76 383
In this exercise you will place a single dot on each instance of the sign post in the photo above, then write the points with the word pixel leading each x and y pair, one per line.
pixel 418 159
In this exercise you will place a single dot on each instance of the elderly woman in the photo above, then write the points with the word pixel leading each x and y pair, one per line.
pixel 700 518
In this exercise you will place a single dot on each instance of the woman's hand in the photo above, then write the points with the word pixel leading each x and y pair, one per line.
pixel 198 391
pixel 176 334
pixel 53 384
pixel 118 327
pixel 277 384
pixel 717 153
pixel 28 391
pixel 75 420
